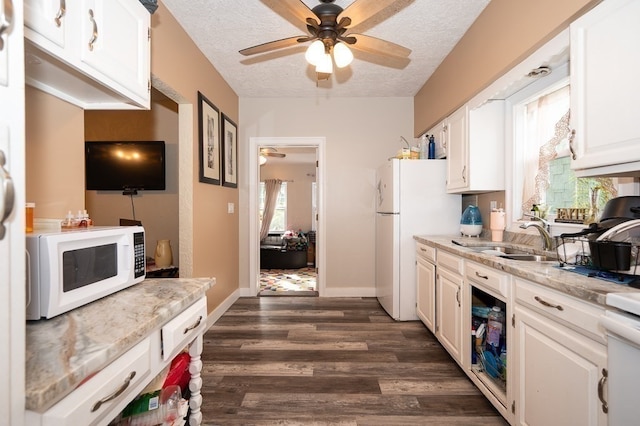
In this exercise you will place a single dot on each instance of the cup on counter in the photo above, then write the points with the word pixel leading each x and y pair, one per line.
pixel 29 209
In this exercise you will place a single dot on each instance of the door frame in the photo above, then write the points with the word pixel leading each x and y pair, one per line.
pixel 255 143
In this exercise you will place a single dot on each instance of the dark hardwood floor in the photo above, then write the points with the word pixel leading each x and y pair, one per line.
pixel 331 361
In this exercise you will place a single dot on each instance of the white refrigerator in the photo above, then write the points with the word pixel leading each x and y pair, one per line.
pixel 411 200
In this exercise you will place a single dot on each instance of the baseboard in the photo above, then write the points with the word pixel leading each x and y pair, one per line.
pixel 348 292
pixel 222 308
pixel 247 292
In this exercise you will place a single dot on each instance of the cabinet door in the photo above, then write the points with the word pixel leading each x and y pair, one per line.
pixel 457 163
pixel 449 313
pixel 558 373
pixel 45 22
pixel 426 292
pixel 605 84
pixel 115 42
pixel 12 243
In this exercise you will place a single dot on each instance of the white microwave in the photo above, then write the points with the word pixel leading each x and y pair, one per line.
pixel 68 269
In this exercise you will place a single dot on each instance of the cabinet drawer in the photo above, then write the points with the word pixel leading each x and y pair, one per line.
pixel 114 386
pixel 183 328
pixel 450 261
pixel 426 252
pixel 488 277
pixel 576 314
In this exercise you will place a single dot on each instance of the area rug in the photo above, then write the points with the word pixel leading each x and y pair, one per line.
pixel 288 282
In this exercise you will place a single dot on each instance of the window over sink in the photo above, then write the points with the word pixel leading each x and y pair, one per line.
pixel 542 156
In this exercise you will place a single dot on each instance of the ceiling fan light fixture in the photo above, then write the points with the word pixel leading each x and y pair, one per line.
pixel 342 55
pixel 325 66
pixel 262 159
pixel 315 52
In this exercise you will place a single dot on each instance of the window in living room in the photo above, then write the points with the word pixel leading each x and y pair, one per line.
pixel 279 221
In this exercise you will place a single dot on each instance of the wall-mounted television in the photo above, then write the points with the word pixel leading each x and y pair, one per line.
pixel 124 166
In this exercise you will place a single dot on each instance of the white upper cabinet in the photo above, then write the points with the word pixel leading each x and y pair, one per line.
pixel 475 148
pixel 92 53
pixel 12 197
pixel 605 88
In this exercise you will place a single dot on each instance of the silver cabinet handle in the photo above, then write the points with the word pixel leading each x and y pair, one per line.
pixel 464 173
pixel 62 10
pixel 197 323
pixel 94 36
pixel 484 277
pixel 601 383
pixel 571 139
pixel 7 200
pixel 458 296
pixel 6 20
pixel 547 304
pixel 125 385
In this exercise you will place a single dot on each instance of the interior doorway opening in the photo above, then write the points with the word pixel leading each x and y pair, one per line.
pixel 287 197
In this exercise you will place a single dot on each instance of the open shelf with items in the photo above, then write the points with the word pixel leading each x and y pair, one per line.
pixel 488 313
pixel 489 343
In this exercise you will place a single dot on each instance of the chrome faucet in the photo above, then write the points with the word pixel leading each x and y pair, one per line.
pixel 543 228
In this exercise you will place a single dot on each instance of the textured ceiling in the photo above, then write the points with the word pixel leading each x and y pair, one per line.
pixel 220 28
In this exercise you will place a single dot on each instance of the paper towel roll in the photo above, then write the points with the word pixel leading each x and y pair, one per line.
pixel 497 225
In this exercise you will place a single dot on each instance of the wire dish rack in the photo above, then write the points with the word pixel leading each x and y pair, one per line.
pixel 585 249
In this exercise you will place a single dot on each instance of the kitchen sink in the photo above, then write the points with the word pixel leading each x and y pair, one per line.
pixel 512 253
pixel 529 257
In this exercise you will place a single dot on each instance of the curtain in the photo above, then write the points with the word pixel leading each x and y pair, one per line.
pixel 271 191
pixel 547 125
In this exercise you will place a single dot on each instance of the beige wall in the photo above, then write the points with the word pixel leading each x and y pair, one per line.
pixel 505 33
pixel 54 155
pixel 208 234
pixel 158 210
pixel 361 133
pixel 299 178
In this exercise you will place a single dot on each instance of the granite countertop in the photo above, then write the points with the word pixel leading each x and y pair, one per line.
pixel 63 351
pixel 544 273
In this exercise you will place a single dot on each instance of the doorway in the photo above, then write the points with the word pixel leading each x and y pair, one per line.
pixel 297 259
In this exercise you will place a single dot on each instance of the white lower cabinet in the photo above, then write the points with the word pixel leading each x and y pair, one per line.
pixel 102 397
pixel 449 313
pixel 556 352
pixel 426 285
pixel 560 373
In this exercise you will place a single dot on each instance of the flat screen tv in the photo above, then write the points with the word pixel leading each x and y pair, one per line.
pixel 124 166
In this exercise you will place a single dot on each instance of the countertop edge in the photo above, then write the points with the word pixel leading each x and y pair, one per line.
pixel 543 273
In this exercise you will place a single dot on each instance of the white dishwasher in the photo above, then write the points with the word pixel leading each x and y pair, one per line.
pixel 623 332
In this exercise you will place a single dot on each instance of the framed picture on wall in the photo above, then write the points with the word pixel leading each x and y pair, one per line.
pixel 209 141
pixel 229 153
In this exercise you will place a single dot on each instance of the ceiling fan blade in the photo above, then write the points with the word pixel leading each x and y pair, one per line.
pixel 379 46
pixel 274 45
pixel 361 10
pixel 274 154
pixel 300 10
